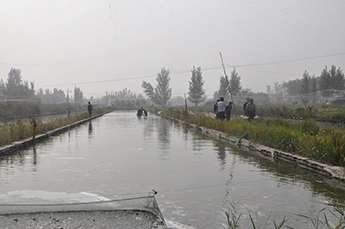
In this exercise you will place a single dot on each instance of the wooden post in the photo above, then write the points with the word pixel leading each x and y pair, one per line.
pixel 227 82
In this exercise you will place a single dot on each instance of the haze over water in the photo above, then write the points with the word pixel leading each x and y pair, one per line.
pixel 122 156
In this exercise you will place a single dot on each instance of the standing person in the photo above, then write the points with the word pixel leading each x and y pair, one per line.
pixel 144 111
pixel 89 108
pixel 250 110
pixel 244 107
pixel 221 108
pixel 215 108
pixel 228 111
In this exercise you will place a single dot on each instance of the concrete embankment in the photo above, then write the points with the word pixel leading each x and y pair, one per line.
pixel 336 172
pixel 17 145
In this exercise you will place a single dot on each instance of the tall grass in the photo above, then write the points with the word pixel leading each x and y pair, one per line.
pixel 324 143
pixel 320 221
pixel 27 128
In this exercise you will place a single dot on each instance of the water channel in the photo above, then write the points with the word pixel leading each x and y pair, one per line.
pixel 121 156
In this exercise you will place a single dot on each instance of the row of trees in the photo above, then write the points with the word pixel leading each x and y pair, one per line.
pixel 16 89
pixel 329 81
pixel 161 93
pixel 124 99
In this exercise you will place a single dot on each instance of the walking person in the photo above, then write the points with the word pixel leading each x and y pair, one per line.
pixel 221 108
pixel 89 108
pixel 228 111
pixel 245 106
pixel 251 110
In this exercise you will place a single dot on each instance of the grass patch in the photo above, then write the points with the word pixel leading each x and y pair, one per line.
pixel 324 143
pixel 29 128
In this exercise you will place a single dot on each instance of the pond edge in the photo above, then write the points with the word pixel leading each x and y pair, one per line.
pixel 18 145
pixel 336 172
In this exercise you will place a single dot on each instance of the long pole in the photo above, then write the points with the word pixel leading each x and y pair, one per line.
pixel 227 83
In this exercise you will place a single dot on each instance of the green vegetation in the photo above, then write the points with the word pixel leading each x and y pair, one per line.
pixel 27 128
pixel 318 222
pixel 320 142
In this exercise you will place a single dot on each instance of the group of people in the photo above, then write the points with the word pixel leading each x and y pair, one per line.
pixel 222 110
pixel 141 112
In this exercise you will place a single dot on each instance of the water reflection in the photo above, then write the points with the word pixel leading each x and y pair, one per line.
pixel 288 173
pixel 221 154
pixel 164 135
pixel 34 159
pixel 149 128
pixel 90 127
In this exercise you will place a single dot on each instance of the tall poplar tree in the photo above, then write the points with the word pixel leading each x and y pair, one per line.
pixel 17 88
pixel 235 83
pixel 161 94
pixel 223 89
pixel 196 92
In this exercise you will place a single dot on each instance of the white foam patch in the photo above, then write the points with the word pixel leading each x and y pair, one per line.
pixel 176 225
pixel 71 158
pixel 30 196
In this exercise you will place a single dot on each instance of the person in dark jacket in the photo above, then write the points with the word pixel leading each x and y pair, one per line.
pixel 89 108
pixel 228 111
pixel 244 107
pixel 251 110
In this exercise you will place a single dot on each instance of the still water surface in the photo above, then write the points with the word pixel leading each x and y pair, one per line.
pixel 122 156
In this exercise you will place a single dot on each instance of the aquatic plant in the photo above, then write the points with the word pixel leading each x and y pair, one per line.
pixel 321 220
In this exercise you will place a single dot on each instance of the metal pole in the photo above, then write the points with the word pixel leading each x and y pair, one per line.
pixel 227 82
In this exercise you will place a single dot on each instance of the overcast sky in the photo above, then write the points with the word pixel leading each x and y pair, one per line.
pixel 108 45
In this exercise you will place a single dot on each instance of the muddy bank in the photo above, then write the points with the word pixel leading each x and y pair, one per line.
pixel 336 172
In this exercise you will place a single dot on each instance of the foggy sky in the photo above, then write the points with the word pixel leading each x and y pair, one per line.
pixel 108 45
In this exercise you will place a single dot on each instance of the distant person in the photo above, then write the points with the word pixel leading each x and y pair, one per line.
pixel 244 107
pixel 89 108
pixel 221 108
pixel 215 108
pixel 140 112
pixel 228 111
pixel 251 110
pixel 145 112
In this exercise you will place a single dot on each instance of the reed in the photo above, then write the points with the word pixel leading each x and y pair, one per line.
pixel 321 220
pixel 324 143
pixel 27 128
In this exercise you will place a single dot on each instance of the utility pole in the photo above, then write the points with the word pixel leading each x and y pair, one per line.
pixel 68 110
pixel 185 101
pixel 75 99
pixel 227 83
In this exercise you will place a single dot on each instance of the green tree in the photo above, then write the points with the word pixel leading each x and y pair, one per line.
pixel 78 95
pixel 196 92
pixel 16 88
pixel 332 79
pixel 235 83
pixel 305 87
pixel 292 87
pixel 313 84
pixel 223 90
pixel 161 94
pixel 2 89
